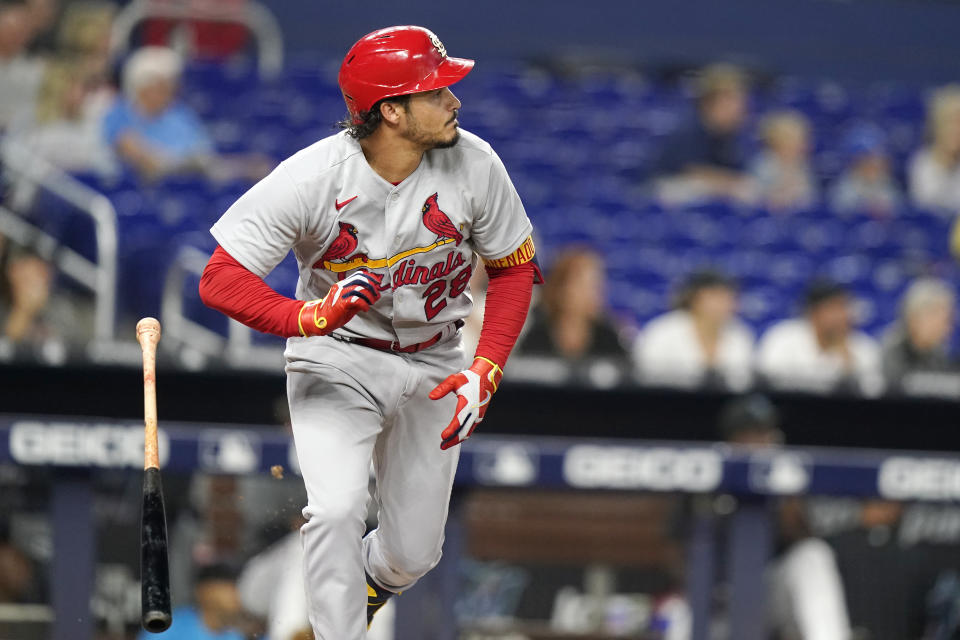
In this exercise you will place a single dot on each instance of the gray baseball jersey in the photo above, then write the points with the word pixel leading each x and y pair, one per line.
pixel 329 206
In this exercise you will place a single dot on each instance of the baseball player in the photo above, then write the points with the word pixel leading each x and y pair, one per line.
pixel 387 220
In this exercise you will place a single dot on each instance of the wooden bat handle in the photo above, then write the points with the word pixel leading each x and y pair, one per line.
pixel 148 335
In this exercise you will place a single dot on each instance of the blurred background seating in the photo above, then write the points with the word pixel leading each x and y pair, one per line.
pixel 584 184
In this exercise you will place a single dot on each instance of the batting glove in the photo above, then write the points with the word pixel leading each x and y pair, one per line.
pixel 344 300
pixel 474 387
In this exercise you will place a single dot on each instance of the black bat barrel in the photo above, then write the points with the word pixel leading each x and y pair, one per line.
pixel 154 570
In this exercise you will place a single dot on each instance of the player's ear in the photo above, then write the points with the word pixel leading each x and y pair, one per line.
pixel 390 111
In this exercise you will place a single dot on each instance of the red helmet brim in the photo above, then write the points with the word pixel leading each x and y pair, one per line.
pixel 450 71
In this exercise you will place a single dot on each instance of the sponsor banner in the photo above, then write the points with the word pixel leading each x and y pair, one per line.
pixel 907 478
pixel 79 444
pixel 653 468
pixel 508 462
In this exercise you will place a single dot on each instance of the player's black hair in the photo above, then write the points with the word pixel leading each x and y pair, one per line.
pixel 371 119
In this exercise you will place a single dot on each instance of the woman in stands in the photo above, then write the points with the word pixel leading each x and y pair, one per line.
pixel 571 320
pixel 935 170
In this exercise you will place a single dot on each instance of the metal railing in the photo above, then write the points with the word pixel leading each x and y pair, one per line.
pixel 193 338
pixel 31 173
pixel 253 15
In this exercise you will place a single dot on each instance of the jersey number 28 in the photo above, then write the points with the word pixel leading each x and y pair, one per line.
pixel 435 302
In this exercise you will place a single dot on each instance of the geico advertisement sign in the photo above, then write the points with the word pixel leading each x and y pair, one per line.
pixel 656 468
pixel 81 445
pixel 920 479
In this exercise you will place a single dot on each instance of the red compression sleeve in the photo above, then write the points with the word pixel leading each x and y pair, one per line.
pixel 232 289
pixel 505 311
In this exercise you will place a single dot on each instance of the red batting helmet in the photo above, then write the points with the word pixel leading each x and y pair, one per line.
pixel 393 62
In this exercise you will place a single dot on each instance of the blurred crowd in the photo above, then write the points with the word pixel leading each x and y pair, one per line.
pixel 66 101
pixel 708 157
pixel 69 104
pixel 63 101
pixel 702 343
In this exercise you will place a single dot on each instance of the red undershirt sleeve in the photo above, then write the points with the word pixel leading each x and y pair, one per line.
pixel 229 287
pixel 232 289
pixel 505 311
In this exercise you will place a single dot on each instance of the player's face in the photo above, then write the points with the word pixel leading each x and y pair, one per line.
pixel 430 119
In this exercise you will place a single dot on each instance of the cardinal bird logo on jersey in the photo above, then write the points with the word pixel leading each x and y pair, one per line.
pixel 437 221
pixel 342 247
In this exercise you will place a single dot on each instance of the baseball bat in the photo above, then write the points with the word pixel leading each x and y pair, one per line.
pixel 155 613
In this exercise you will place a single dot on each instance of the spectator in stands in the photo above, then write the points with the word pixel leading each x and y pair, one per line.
pixel 65 128
pixel 919 342
pixel 18 580
pixel 705 159
pixel 20 73
pixel 700 342
pixel 886 575
pixel 32 320
pixel 25 292
pixel 272 587
pixel 156 135
pixel 935 169
pixel 216 614
pixel 751 421
pixel 571 321
pixel 84 38
pixel 781 172
pixel 821 351
pixel 149 129
pixel 867 185
pixel 43 16
pixel 806 592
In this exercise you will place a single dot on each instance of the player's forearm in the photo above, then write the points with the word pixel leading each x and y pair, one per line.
pixel 505 311
pixel 230 288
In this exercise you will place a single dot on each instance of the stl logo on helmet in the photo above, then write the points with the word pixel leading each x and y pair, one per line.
pixel 439 45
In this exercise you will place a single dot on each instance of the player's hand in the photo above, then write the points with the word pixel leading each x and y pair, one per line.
pixel 474 387
pixel 345 299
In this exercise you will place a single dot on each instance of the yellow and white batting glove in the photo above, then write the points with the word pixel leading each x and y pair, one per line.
pixel 345 299
pixel 474 387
